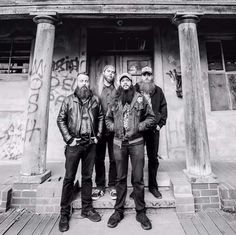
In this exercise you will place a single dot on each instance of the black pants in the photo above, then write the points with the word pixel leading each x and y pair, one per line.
pixel 136 153
pixel 151 139
pixel 73 155
pixel 106 140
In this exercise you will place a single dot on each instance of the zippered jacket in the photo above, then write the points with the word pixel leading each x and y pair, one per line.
pixel 141 118
pixel 69 118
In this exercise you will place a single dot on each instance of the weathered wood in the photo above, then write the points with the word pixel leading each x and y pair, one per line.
pixel 121 10
pixel 208 224
pixel 229 218
pixel 51 223
pixel 197 146
pixel 201 229
pixel 42 225
pixel 6 224
pixel 55 229
pixel 113 2
pixel 189 227
pixel 35 145
pixel 32 224
pixel 4 216
pixel 19 224
pixel 220 223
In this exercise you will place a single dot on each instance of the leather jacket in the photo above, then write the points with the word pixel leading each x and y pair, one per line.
pixel 69 117
pixel 141 118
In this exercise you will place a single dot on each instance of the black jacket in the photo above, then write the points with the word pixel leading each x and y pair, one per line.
pixel 141 118
pixel 69 117
pixel 159 105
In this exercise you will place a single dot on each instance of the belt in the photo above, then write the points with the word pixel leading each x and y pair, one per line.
pixel 119 142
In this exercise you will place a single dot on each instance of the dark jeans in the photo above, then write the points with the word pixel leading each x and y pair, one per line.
pixel 136 153
pixel 151 139
pixel 73 155
pixel 106 140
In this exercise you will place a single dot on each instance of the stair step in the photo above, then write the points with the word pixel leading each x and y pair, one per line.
pixel 105 202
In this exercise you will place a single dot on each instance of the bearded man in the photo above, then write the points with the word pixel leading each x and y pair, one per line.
pixel 156 98
pixel 128 117
pixel 80 121
pixel 106 90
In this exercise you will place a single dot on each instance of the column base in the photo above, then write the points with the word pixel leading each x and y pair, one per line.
pixel 198 179
pixel 33 179
pixel 205 190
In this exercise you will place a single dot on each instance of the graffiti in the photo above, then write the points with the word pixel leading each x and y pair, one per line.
pixel 66 64
pixel 11 140
pixel 63 79
pixel 176 77
pixel 31 129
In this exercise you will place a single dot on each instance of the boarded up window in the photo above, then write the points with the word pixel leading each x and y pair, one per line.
pixel 218 92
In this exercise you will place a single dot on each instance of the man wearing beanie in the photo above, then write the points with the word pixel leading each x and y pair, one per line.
pixel 128 117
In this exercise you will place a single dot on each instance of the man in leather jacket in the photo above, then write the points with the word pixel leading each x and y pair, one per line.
pixel 80 121
pixel 129 116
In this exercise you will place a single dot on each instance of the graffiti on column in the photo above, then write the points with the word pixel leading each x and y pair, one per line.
pixel 64 72
pixel 35 87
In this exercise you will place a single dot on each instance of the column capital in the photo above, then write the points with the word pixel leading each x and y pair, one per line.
pixel 180 18
pixel 45 19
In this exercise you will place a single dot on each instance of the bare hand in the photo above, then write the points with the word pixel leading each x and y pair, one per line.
pixel 95 140
pixel 75 141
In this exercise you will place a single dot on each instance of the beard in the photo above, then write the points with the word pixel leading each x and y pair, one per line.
pixel 147 87
pixel 126 96
pixel 83 92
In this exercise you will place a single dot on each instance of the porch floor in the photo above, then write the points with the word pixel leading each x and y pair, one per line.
pixel 213 222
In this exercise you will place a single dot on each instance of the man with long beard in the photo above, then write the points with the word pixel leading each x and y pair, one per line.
pixel 106 92
pixel 157 101
pixel 129 116
pixel 80 121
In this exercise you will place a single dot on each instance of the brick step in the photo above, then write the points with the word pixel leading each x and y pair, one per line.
pixel 105 202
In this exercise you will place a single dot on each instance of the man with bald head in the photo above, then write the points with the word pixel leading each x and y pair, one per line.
pixel 80 121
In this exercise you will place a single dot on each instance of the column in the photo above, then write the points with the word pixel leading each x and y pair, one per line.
pixel 197 146
pixel 35 145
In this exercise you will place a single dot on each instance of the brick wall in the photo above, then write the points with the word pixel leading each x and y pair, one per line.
pixel 24 196
pixel 206 195
pixel 227 197
pixel 5 197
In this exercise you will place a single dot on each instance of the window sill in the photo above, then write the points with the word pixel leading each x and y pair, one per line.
pixel 14 77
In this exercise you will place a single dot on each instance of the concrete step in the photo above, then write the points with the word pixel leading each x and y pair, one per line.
pixel 164 221
pixel 105 202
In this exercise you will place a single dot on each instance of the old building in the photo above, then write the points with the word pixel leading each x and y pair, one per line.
pixel 190 44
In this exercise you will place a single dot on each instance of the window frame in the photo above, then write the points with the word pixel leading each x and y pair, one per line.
pixel 19 76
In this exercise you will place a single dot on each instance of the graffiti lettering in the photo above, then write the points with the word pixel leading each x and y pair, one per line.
pixel 66 64
pixel 63 79
pixel 31 130
pixel 11 139
pixel 33 106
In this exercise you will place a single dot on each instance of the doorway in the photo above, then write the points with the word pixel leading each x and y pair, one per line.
pixel 127 51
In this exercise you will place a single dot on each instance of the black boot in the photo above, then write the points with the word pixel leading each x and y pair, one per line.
pixel 64 223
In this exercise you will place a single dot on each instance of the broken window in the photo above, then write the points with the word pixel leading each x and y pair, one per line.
pixel 221 58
